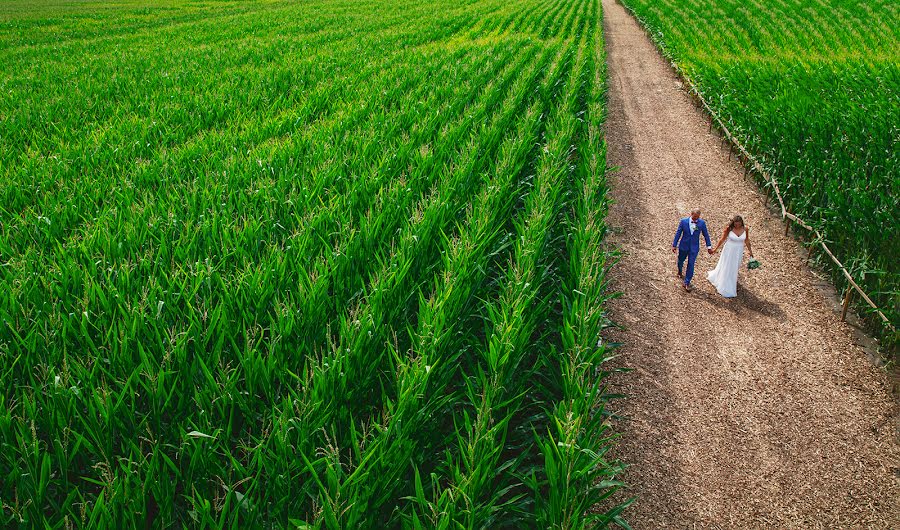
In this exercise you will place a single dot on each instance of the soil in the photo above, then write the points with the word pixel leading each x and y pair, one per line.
pixel 760 411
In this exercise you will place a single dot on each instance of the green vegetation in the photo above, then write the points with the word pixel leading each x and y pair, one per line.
pixel 328 263
pixel 813 91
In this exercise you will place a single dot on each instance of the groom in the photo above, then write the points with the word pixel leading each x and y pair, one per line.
pixel 687 244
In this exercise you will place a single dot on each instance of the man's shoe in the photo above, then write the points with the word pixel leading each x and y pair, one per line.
pixel 686 287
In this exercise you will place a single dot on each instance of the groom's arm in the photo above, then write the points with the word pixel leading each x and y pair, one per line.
pixel 678 234
pixel 706 237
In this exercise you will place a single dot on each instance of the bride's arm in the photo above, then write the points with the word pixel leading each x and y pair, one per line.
pixel 747 241
pixel 721 240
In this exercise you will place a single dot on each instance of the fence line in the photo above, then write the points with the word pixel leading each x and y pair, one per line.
pixel 770 181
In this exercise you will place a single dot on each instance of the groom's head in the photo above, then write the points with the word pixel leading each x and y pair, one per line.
pixel 695 214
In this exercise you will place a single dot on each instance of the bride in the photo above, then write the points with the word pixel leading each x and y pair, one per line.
pixel 724 276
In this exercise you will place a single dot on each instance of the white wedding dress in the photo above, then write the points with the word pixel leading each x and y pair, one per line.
pixel 724 276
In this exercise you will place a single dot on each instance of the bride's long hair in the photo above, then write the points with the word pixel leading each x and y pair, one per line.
pixel 734 220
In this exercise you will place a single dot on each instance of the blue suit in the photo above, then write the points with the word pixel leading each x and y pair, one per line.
pixel 688 244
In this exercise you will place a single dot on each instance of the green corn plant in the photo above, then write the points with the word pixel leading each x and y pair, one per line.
pixel 264 264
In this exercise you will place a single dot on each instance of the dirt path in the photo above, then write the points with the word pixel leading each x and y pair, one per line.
pixel 759 411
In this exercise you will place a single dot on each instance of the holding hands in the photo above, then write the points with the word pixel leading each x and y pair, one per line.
pixel 709 251
pixel 735 238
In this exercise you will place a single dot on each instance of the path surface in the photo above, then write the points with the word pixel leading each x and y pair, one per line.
pixel 759 411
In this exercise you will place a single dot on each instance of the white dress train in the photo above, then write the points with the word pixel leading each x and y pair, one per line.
pixel 724 276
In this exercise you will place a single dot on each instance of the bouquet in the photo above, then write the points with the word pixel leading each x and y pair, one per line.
pixel 753 264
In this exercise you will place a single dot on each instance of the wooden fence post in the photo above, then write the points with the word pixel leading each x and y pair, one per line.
pixel 768 192
pixel 809 254
pixel 787 225
pixel 847 295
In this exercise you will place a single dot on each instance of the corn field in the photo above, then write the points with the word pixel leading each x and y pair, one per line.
pixel 322 264
pixel 812 89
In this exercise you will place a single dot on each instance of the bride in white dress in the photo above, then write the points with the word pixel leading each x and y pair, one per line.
pixel 724 276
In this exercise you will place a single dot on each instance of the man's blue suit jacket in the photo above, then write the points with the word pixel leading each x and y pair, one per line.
pixel 684 240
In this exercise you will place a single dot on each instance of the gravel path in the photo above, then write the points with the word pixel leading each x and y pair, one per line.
pixel 760 411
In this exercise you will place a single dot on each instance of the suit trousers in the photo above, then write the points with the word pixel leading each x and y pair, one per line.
pixel 691 258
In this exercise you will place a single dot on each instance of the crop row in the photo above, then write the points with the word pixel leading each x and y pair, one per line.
pixel 270 265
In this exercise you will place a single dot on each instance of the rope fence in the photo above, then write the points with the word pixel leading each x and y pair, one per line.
pixel 752 164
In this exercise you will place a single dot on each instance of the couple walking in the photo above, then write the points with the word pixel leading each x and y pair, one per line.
pixel 687 246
